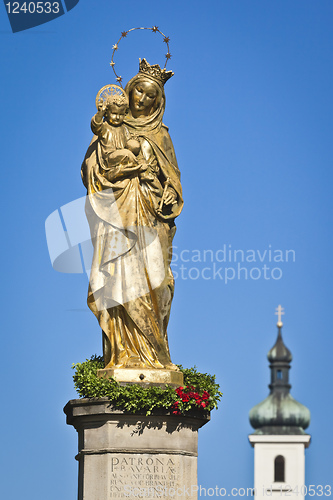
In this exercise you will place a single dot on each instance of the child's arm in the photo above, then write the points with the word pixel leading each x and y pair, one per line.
pixel 97 119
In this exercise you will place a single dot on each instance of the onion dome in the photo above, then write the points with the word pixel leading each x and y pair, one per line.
pixel 279 413
pixel 279 351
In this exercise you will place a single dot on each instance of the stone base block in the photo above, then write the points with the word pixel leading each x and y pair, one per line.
pixel 144 376
pixel 124 455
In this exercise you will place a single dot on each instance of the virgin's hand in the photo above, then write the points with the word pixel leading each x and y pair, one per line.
pixel 143 167
pixel 122 156
pixel 122 172
pixel 131 167
pixel 170 197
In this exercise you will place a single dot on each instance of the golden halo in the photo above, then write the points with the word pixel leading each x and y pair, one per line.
pixel 124 34
pixel 110 90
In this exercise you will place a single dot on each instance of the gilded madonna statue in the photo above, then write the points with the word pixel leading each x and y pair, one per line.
pixel 134 195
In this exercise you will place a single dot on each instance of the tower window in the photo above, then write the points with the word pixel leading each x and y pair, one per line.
pixel 279 469
pixel 279 374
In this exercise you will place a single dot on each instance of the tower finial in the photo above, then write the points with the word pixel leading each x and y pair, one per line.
pixel 279 313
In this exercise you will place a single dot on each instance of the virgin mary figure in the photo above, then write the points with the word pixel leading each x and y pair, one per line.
pixel 131 209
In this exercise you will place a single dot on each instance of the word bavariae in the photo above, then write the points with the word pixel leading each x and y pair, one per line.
pixel 200 391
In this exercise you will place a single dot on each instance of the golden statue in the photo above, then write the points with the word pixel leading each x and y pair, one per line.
pixel 134 194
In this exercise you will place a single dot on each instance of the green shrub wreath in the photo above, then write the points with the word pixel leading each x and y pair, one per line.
pixel 200 390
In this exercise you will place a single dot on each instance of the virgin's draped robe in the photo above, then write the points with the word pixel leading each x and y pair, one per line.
pixel 131 283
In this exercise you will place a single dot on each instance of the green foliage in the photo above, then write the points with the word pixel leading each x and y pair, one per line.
pixel 200 390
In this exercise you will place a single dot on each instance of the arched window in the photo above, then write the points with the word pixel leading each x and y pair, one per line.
pixel 279 469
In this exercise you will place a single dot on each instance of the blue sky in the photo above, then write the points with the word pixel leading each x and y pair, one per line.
pixel 250 115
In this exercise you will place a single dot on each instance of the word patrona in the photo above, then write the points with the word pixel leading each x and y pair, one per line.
pixel 143 465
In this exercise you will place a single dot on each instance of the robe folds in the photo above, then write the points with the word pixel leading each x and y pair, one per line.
pixel 131 283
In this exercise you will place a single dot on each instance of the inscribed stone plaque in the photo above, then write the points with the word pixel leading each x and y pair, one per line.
pixel 150 475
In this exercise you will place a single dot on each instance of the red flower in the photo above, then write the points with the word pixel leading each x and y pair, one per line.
pixel 190 393
pixel 179 391
pixel 176 409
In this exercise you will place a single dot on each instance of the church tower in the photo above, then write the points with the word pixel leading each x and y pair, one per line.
pixel 279 440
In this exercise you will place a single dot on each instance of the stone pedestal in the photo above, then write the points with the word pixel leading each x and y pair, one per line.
pixel 124 455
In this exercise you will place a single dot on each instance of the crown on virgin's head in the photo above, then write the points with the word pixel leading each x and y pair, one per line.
pixel 155 72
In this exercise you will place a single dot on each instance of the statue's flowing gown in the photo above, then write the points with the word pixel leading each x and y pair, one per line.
pixel 131 283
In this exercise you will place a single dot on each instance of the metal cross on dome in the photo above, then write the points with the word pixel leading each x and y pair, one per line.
pixel 279 313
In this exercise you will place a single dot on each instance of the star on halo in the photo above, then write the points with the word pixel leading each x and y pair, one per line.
pixel 115 46
pixel 166 39
pixel 112 64
pixel 154 29
pixel 168 56
pixel 124 34
pixel 119 79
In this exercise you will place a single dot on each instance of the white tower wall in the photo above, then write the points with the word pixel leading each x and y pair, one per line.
pixel 266 449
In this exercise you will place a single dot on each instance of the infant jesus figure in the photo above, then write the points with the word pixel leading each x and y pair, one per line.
pixel 121 154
